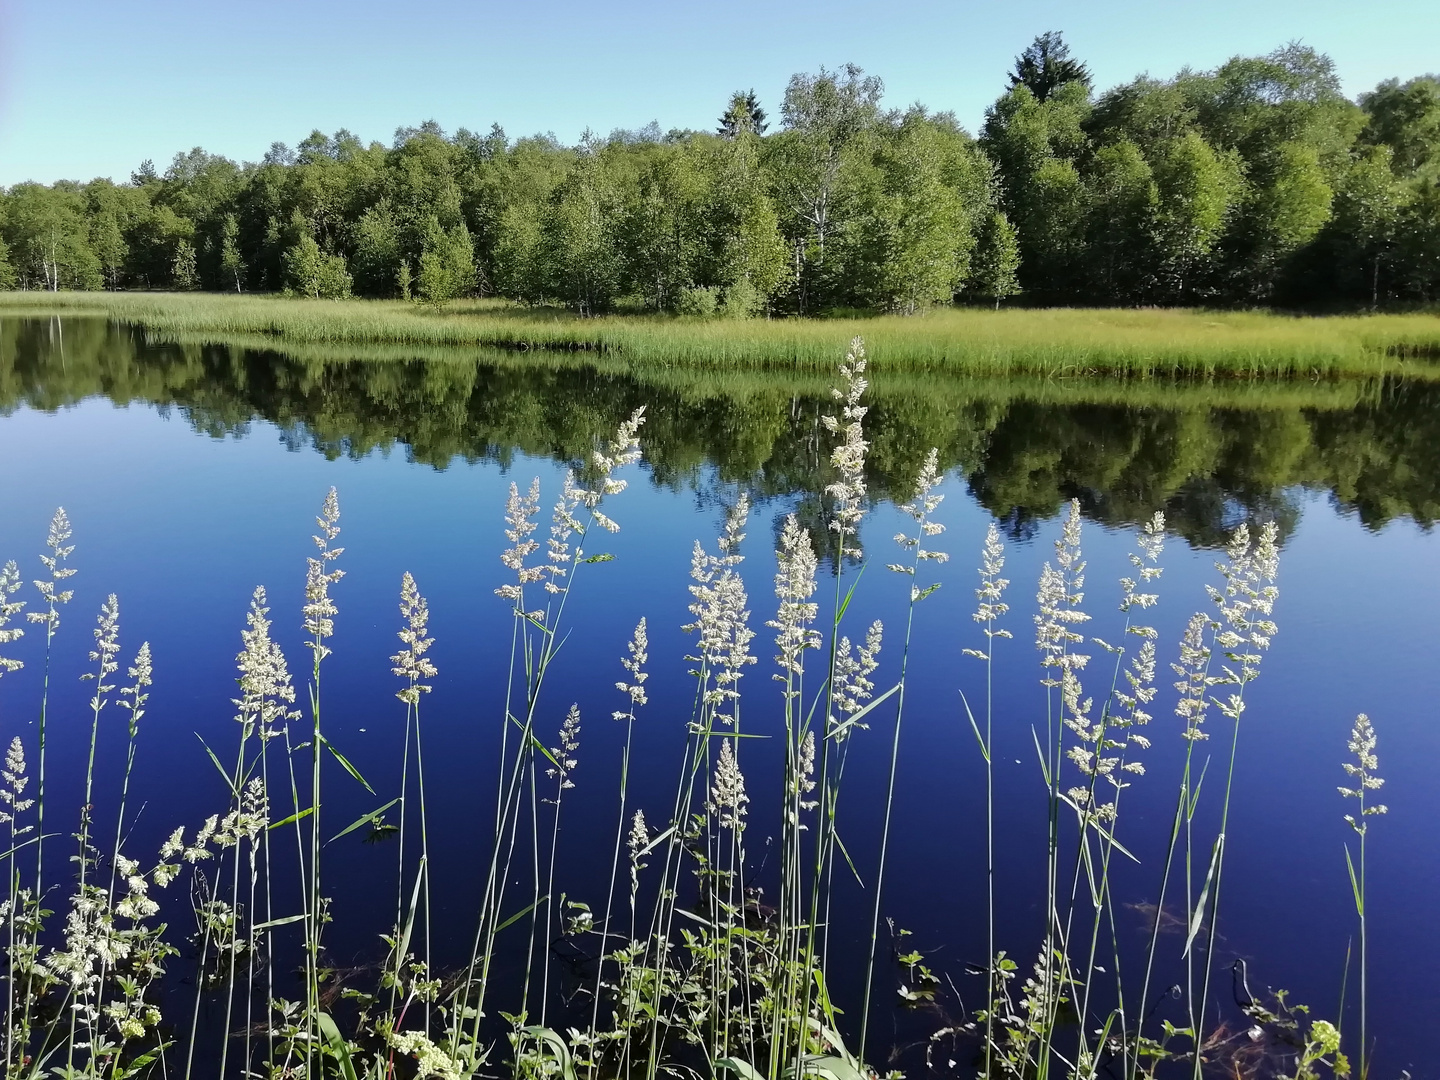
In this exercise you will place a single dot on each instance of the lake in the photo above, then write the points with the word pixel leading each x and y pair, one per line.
pixel 193 472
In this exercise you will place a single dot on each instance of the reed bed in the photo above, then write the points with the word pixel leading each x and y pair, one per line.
pixel 1057 343
pixel 695 978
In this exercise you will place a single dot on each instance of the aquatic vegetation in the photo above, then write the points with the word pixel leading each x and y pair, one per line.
pixel 695 971
pixel 1059 343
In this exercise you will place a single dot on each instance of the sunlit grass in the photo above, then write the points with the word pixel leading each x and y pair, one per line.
pixel 1057 343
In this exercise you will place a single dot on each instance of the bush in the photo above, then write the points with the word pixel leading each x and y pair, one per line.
pixel 700 302
pixel 310 272
pixel 742 300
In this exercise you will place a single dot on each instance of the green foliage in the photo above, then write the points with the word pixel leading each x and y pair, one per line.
pixel 230 260
pixel 1046 65
pixel 1196 190
pixel 183 270
pixel 697 302
pixel 311 272
pixel 743 116
pixel 8 277
pixel 997 260
pixel 378 253
pixel 1256 182
pixel 1406 118
pixel 447 264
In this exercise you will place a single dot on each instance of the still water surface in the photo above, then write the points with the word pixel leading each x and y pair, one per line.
pixel 192 474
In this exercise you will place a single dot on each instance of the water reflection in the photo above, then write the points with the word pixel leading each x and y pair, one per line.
pixel 1209 455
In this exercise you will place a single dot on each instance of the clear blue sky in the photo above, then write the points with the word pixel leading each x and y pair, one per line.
pixel 91 87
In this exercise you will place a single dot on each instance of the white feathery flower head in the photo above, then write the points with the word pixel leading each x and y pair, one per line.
pixel 55 563
pixel 107 645
pixel 727 794
pixel 266 692
pixel 634 665
pixel 134 696
pixel 639 835
pixel 991 593
pixel 319 609
pixel 563 525
pixel 9 585
pixel 1106 741
pixel 721 617
pixel 804 780
pixel 520 511
pixel 411 663
pixel 1194 677
pixel 853 685
pixel 848 458
pixel 1363 741
pixel 794 585
pixel 564 753
pixel 1245 606
pixel 925 503
pixel 621 450
pixel 15 783
pixel 1060 595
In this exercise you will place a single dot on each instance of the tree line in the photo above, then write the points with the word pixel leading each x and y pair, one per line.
pixel 1256 183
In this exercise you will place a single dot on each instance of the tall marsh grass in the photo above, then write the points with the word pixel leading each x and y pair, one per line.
pixel 694 975
pixel 1057 343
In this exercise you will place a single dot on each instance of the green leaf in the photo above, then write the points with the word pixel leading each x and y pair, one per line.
pixel 829 1067
pixel 604 556
pixel 362 820
pixel 1044 768
pixel 1355 884
pixel 346 765
pixel 1195 799
pixel 522 913
pixel 849 722
pixel 926 592
pixel 410 918
pixel 1198 918
pixel 337 1044
pixel 743 1069
pixel 286 921
pixel 840 614
pixel 294 817
pixel 848 861
pixel 984 750
pixel 551 1041
pixel 654 843
pixel 218 767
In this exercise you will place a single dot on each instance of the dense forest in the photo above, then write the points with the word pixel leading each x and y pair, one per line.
pixel 1255 183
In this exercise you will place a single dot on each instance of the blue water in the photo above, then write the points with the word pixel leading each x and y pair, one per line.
pixel 182 526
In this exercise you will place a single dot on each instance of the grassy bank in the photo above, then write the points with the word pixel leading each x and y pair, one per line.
pixel 1057 343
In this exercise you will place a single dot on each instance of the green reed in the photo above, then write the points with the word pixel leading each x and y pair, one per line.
pixel 1059 343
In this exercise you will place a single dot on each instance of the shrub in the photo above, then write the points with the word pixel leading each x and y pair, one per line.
pixel 699 302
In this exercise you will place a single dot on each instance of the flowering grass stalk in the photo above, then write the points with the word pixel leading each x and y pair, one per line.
pixel 1363 775
pixel 1245 605
pixel 536 642
pixel 922 509
pixel 990 606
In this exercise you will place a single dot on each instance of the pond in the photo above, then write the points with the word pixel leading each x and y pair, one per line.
pixel 193 472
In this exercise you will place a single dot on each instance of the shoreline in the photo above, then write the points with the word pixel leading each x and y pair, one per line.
pixel 1047 342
